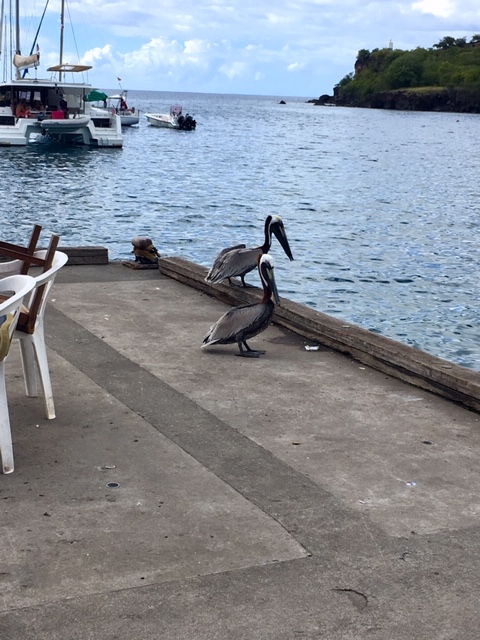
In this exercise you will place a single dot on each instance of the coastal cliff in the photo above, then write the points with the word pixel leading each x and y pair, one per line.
pixel 445 77
pixel 450 100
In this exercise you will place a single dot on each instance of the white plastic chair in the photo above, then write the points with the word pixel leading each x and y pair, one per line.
pixel 30 331
pixel 10 310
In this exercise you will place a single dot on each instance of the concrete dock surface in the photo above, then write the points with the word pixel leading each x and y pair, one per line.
pixel 188 494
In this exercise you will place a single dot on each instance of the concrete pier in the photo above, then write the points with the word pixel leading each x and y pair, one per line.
pixel 189 494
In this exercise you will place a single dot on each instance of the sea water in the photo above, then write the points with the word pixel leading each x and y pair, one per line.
pixel 381 208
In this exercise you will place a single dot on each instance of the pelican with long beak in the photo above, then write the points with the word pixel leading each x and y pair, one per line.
pixel 237 261
pixel 242 323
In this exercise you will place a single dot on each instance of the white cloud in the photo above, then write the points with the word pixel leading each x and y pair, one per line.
pixel 303 47
pixel 441 8
pixel 233 70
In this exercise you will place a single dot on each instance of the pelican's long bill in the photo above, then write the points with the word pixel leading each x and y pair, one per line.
pixel 266 269
pixel 278 229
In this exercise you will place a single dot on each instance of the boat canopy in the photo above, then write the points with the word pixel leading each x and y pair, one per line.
pixel 96 96
pixel 69 68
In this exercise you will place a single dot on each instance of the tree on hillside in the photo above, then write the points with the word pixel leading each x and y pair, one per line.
pixel 445 43
pixel 345 80
pixel 363 56
pixel 405 71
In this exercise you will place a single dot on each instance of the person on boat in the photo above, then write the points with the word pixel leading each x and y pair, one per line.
pixel 38 106
pixel 64 107
pixel 22 110
pixel 123 105
pixel 38 109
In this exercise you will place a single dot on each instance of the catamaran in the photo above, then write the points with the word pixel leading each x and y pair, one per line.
pixel 56 108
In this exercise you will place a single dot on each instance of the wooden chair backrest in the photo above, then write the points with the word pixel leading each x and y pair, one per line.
pixel 17 252
pixel 27 320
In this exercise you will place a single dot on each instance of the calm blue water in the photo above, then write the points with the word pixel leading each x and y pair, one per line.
pixel 381 208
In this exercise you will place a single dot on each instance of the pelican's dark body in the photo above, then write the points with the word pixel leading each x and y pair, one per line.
pixel 237 261
pixel 241 323
pixel 256 317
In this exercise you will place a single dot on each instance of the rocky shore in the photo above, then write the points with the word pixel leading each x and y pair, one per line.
pixel 448 100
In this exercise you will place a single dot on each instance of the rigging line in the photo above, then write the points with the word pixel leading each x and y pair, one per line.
pixel 73 32
pixel 36 35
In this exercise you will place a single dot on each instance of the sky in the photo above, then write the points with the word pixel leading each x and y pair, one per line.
pixel 254 47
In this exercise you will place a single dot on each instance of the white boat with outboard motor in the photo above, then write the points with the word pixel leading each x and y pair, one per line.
pixel 172 120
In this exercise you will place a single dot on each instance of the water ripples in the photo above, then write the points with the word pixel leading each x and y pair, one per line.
pixel 380 207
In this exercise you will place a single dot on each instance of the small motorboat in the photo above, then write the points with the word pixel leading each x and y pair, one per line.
pixel 116 105
pixel 129 116
pixel 172 120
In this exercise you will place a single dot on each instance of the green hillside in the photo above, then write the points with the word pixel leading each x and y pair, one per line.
pixel 452 66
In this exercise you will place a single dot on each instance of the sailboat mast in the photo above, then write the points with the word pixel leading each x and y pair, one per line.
pixel 2 13
pixel 17 33
pixel 62 30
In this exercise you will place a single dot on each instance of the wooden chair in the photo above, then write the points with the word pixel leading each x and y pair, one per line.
pixel 25 255
pixel 43 259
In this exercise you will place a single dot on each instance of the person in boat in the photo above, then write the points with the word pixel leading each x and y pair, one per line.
pixel 38 106
pixel 123 105
pixel 64 107
pixel 38 109
pixel 22 110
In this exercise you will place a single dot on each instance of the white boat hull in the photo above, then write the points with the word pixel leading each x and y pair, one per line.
pixel 164 120
pixel 129 120
pixel 173 120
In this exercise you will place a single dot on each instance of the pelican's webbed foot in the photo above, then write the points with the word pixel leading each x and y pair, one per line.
pixel 249 353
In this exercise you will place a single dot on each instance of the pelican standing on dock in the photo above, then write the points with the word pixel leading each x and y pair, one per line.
pixel 242 323
pixel 237 261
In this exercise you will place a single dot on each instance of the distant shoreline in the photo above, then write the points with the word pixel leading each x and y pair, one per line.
pixel 444 100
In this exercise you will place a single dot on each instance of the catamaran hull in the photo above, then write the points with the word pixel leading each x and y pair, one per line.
pixel 81 131
pixel 19 134
pixel 80 127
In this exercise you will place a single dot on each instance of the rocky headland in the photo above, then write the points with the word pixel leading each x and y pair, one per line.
pixel 450 100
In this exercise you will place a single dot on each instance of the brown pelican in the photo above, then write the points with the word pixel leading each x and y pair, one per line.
pixel 238 260
pixel 242 323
